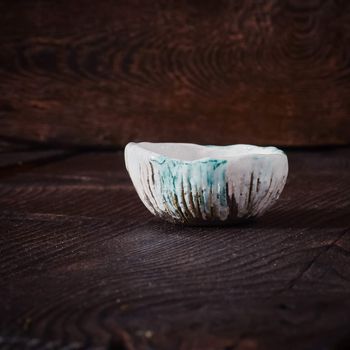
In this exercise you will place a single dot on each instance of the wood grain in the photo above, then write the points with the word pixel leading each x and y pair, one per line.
pixel 102 74
pixel 83 265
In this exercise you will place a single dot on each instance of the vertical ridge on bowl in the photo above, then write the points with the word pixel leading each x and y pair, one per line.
pixel 200 186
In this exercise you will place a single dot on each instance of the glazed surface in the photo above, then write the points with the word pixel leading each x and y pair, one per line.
pixel 210 184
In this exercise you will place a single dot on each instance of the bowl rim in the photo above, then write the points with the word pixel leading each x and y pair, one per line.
pixel 277 152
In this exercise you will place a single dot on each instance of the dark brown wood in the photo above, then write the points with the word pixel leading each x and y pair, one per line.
pixel 104 73
pixel 83 265
pixel 21 159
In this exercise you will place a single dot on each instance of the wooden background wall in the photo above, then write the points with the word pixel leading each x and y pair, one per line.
pixel 102 73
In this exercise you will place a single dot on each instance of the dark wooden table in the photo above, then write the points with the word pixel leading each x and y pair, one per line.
pixel 83 265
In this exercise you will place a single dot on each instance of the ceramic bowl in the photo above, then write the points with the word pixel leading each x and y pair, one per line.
pixel 198 185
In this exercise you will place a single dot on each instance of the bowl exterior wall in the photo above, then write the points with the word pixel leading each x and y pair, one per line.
pixel 207 191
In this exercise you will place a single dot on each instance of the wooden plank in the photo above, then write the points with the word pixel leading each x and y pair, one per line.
pixel 6 146
pixel 16 163
pixel 267 72
pixel 84 265
pixel 23 158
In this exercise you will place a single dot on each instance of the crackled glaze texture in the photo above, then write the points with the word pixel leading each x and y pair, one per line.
pixel 195 184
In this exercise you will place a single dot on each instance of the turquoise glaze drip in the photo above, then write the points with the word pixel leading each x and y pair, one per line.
pixel 204 180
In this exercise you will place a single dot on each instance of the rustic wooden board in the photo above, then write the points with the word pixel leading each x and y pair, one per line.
pixel 20 159
pixel 223 72
pixel 83 265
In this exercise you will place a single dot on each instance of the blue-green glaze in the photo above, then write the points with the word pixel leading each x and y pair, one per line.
pixel 186 184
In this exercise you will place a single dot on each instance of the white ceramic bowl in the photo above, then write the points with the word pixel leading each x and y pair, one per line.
pixel 194 184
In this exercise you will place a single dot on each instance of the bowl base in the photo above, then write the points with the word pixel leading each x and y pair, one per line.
pixel 212 222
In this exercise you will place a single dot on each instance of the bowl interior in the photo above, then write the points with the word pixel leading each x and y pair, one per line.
pixel 191 152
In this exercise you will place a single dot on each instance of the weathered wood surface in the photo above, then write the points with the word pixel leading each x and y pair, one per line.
pixel 20 159
pixel 83 265
pixel 220 72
